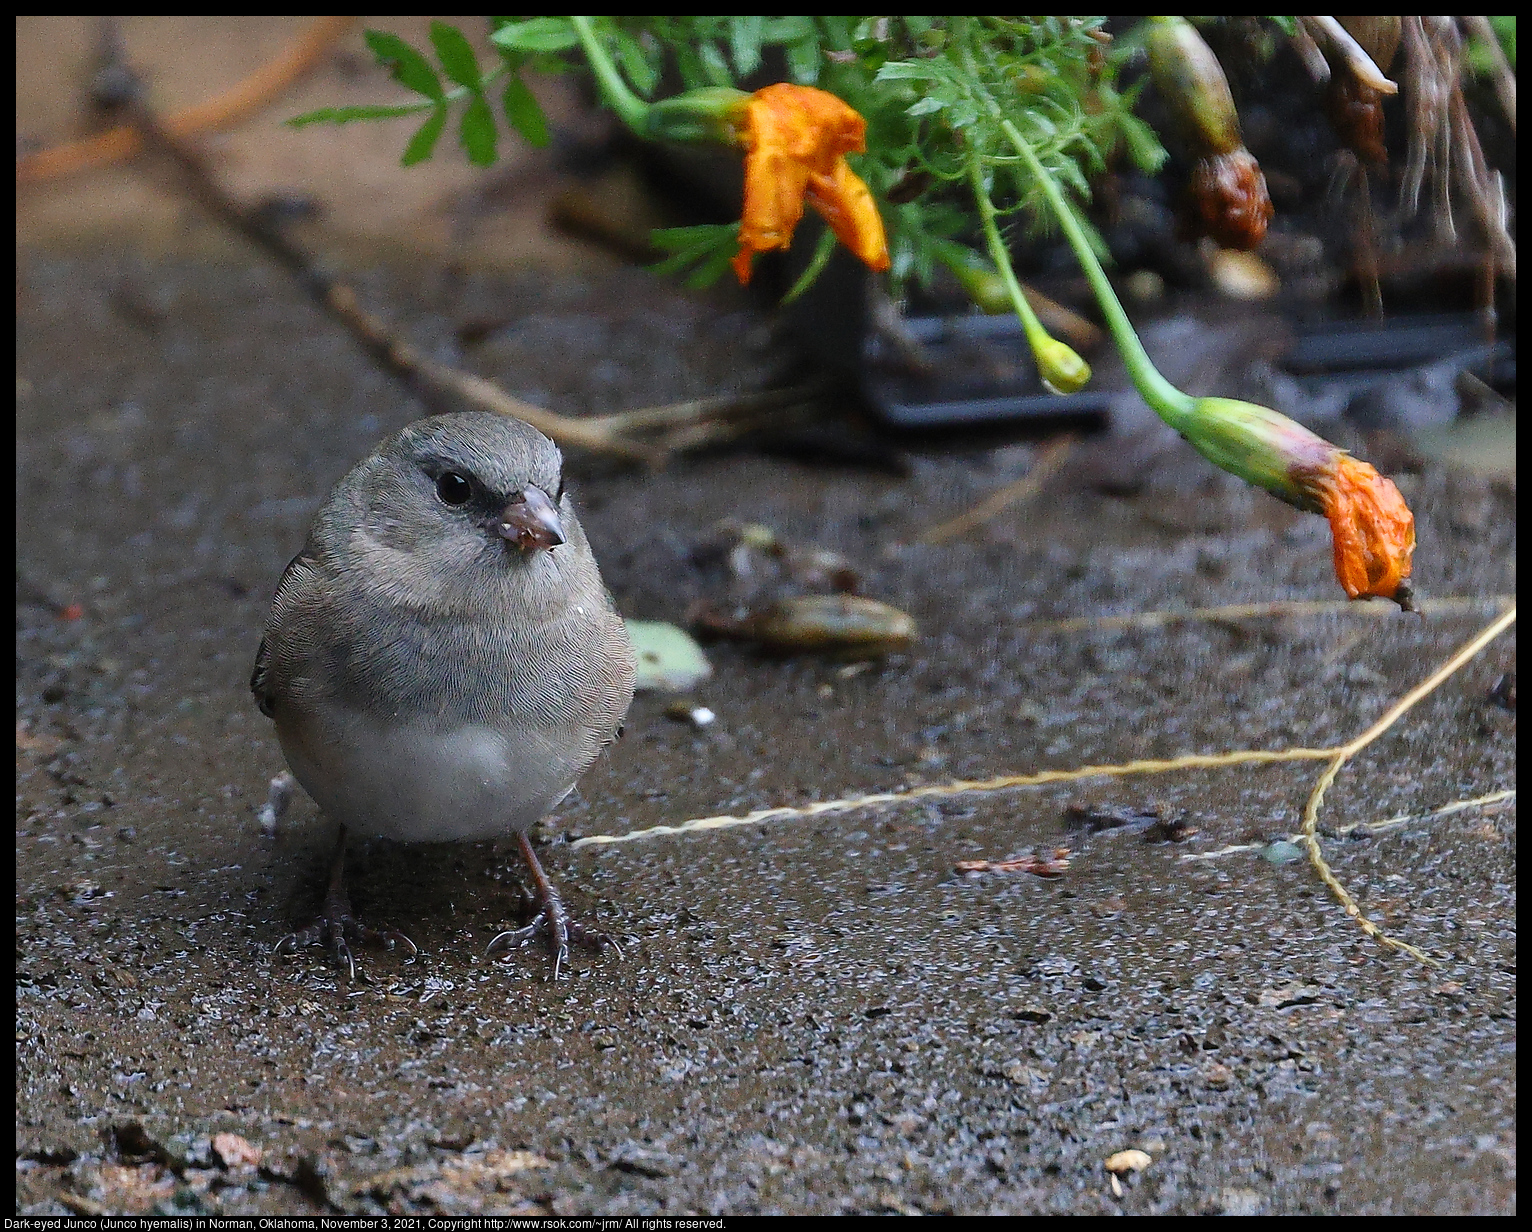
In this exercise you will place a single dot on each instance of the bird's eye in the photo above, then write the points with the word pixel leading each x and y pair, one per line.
pixel 453 488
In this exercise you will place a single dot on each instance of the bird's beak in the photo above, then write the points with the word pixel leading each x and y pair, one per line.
pixel 531 522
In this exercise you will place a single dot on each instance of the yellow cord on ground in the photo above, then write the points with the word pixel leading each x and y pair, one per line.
pixel 1336 755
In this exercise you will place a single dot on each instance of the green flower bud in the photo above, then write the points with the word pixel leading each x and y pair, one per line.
pixel 1261 446
pixel 1062 370
pixel 1191 81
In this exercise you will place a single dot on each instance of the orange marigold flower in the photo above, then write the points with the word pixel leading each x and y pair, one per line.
pixel 1373 529
pixel 796 139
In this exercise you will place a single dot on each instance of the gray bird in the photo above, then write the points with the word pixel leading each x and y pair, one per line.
pixel 442 660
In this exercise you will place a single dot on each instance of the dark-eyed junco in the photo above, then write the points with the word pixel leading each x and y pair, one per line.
pixel 442 660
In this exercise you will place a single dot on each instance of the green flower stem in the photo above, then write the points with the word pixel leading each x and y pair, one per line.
pixel 1037 336
pixel 1169 403
pixel 631 109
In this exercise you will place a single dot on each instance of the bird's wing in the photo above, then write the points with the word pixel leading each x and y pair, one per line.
pixel 300 569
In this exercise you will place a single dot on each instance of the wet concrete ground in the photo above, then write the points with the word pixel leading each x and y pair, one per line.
pixel 807 1017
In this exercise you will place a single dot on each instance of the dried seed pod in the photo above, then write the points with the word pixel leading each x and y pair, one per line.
pixel 1356 114
pixel 1192 83
pixel 1227 188
pixel 1355 108
pixel 1229 193
pixel 845 623
pixel 835 624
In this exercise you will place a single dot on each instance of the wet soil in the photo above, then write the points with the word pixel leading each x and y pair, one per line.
pixel 807 1016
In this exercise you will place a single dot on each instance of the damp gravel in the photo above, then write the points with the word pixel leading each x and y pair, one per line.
pixel 809 1016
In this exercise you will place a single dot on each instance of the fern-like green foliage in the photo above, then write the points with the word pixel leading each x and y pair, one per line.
pixel 933 90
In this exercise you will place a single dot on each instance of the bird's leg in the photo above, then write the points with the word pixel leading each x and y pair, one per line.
pixel 335 923
pixel 552 919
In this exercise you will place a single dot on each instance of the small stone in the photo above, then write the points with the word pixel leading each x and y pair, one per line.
pixel 689 712
pixel 1021 1074
pixel 1240 1202
pixel 1128 1161
pixel 1243 275
pixel 236 1152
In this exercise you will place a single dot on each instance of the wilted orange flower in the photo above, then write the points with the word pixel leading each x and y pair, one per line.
pixel 1373 529
pixel 796 139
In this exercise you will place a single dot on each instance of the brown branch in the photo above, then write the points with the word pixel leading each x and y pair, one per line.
pixel 244 99
pixel 1042 469
pixel 380 341
pixel 680 426
pixel 674 415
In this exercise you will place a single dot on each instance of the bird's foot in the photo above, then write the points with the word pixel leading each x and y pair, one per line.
pixel 552 922
pixel 560 931
pixel 337 928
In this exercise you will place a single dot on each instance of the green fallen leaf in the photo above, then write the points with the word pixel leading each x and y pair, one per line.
pixel 1282 852
pixel 668 659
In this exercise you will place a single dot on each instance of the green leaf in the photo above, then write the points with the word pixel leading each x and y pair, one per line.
pixel 1143 146
pixel 690 239
pixel 477 132
pixel 745 43
pixel 821 258
pixel 345 115
pixel 711 269
pixel 689 65
pixel 423 144
pixel 409 68
pixel 926 105
pixel 636 64
pixel 705 250
pixel 667 657
pixel 456 55
pixel 524 114
pixel 839 31
pixel 787 29
pixel 803 60
pixel 904 70
pixel 714 64
pixel 538 34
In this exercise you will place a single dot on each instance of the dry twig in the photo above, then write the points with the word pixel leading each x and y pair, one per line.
pixel 244 99
pixel 1332 36
pixel 1347 751
pixel 1261 611
pixel 681 426
pixel 1366 827
pixel 1043 468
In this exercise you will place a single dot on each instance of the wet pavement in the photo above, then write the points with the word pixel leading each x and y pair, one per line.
pixel 808 1016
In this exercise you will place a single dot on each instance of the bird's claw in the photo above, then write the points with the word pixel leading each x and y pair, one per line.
pixel 554 923
pixel 338 928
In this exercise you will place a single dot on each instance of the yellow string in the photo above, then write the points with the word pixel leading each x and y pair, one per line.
pixel 1337 756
